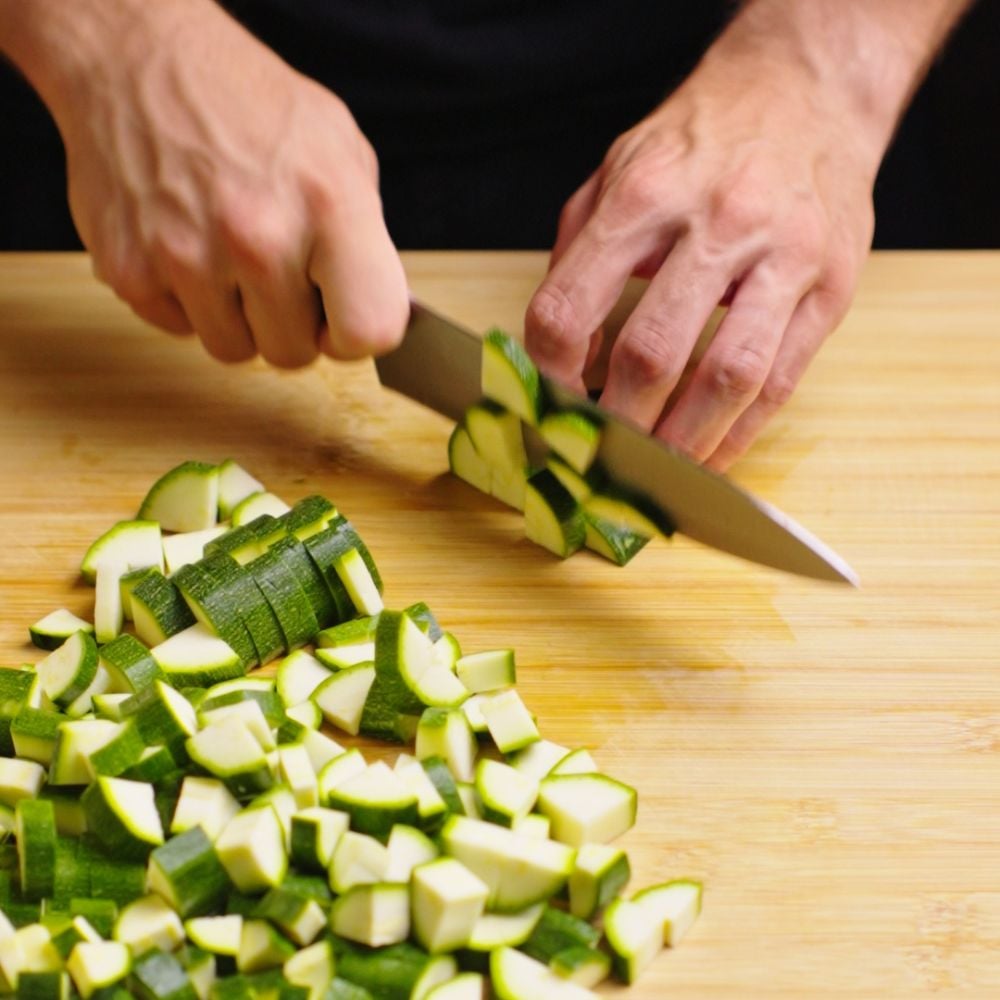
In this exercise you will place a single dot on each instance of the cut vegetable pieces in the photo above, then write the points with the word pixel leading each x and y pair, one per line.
pixel 149 923
pixel 131 544
pixel 487 671
pixel 67 672
pixel 314 835
pixel 375 915
pixel 465 462
pixel 447 899
pixel 197 656
pixel 187 873
pixel 537 759
pixel 251 848
pixel 188 547
pixel 573 436
pixel 342 696
pixel 510 377
pixel 51 631
pixel 122 815
pixel 506 795
pixel 95 965
pixel 552 517
pixel 673 905
pixel 376 800
pixel 510 724
pixel 445 733
pixel 235 485
pixel 614 542
pixel 255 504
pixel 515 976
pixel 158 609
pixel 204 803
pixel 587 808
pixel 130 664
pixel 408 849
pixel 217 934
pixel 184 499
pixel 497 437
pixel 358 860
pixel 600 873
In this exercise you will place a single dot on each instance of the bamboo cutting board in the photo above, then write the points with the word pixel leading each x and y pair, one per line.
pixel 826 760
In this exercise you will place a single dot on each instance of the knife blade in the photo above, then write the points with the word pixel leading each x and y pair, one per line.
pixel 438 364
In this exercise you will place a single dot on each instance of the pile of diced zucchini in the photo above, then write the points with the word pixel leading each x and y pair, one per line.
pixel 180 825
pixel 568 498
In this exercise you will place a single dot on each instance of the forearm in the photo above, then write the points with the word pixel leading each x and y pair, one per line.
pixel 871 54
pixel 58 45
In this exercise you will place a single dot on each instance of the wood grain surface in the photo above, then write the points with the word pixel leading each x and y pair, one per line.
pixel 826 760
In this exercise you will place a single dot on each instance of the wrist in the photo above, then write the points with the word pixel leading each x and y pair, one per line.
pixel 860 60
pixel 66 48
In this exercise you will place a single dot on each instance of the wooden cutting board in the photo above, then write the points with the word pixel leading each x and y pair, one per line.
pixel 826 760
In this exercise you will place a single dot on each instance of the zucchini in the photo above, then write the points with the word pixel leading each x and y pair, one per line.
pixel 510 377
pixel 184 499
pixel 578 761
pixel 515 976
pixel 230 752
pixel 496 435
pixel 19 779
pixel 149 924
pixel 376 800
pixel 51 631
pixel 342 696
pixel 288 601
pixel 296 771
pixel 537 759
pixel 518 870
pixel 188 547
pixel 431 807
pixel 96 965
pixel 255 504
pixel 78 741
pixel 376 914
pixel 579 487
pixel 587 808
pixel 487 671
pixel 131 544
pixel 298 675
pixel 358 860
pixel 350 633
pixel 296 915
pixel 408 849
pixel 197 656
pixel 160 976
pixel 312 968
pixel 600 873
pixel 465 986
pixel 129 581
pixel 615 543
pixel 294 555
pixel 506 795
pixel 131 665
pixel 552 517
pixel 219 935
pixel 315 832
pixel 35 832
pixel 158 609
pixel 504 930
pixel 163 715
pixel 573 436
pixel 251 848
pixel 187 873
pixel 204 803
pixel 308 517
pixel 122 815
pixel 122 751
pixel 67 672
pixel 465 462
pixel 447 901
pixel 394 973
pixel 510 725
pixel 445 733
pixel 34 733
pixel 674 906
pixel 558 931
pixel 235 485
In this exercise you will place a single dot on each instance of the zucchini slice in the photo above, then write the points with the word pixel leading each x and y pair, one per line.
pixel 600 873
pixel 134 544
pixel 56 627
pixel 256 504
pixel 184 499
pixel 67 672
pixel 446 733
pixel 149 923
pixel 203 803
pixel 342 696
pixel 510 724
pixel 251 848
pixel 376 800
pixel 122 815
pixel 510 377
pixel 552 517
pixel 515 976
pixel 587 808
pixel 187 873
pixel 573 436
pixel 487 671
pixel 465 462
pixel 506 795
pixel 447 901
pixel 189 546
pixel 158 609
pixel 376 914
pixel 197 656
pixel 96 965
pixel 235 485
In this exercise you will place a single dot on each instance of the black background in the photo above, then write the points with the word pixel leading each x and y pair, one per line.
pixel 487 114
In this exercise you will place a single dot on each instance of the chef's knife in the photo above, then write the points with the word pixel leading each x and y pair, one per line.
pixel 438 364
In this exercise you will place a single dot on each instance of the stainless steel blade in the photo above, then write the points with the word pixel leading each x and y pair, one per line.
pixel 438 364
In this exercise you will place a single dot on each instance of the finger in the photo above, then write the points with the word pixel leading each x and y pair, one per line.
pixel 574 216
pixel 216 312
pixel 360 277
pixel 656 341
pixel 268 252
pixel 165 312
pixel 810 324
pixel 737 363
pixel 577 295
pixel 285 317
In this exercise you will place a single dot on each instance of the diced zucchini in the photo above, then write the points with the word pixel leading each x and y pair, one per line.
pixel 445 733
pixel 573 436
pixel 187 873
pixel 342 696
pixel 376 915
pixel 497 437
pixel 515 976
pixel 122 815
pixel 510 377
pixel 51 631
pixel 447 901
pixel 132 544
pixel 78 741
pixel 198 657
pixel 184 499
pixel 130 664
pixel 555 932
pixel 255 504
pixel 296 915
pixel 465 462
pixel 251 848
pixel 358 860
pixel 206 803
pixel 673 905
pixel 472 709
pixel 289 602
pixel 584 966
pixel 509 486
pixel 35 732
pixel 122 751
pixel 510 724
pixel 350 633
pixel 600 872
pixel 67 672
pixel 19 779
pixel 487 671
pixel 35 832
pixel 163 715
pixel 506 795
pixel 228 750
pixel 295 770
pixel 537 759
pixel 431 807
pixel 315 832
pixel 579 761
pixel 408 848
pixel 504 930
pixel 587 808
pixel 188 547
pixel 346 656
pixel 375 800
pixel 628 511
pixel 552 517
pixel 218 934
pixel 519 870
pixel 235 485
pixel 160 976
pixel 149 923
pixel 158 609
pixel 615 543
pixel 95 965
pixel 465 986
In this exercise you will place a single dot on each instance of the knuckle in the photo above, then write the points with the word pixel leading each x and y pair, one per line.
pixel 260 239
pixel 361 333
pixel 777 390
pixel 736 211
pixel 738 373
pixel 551 322
pixel 229 350
pixel 648 354
pixel 637 191
pixel 292 355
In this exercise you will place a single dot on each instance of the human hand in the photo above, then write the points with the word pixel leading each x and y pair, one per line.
pixel 220 191
pixel 749 185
